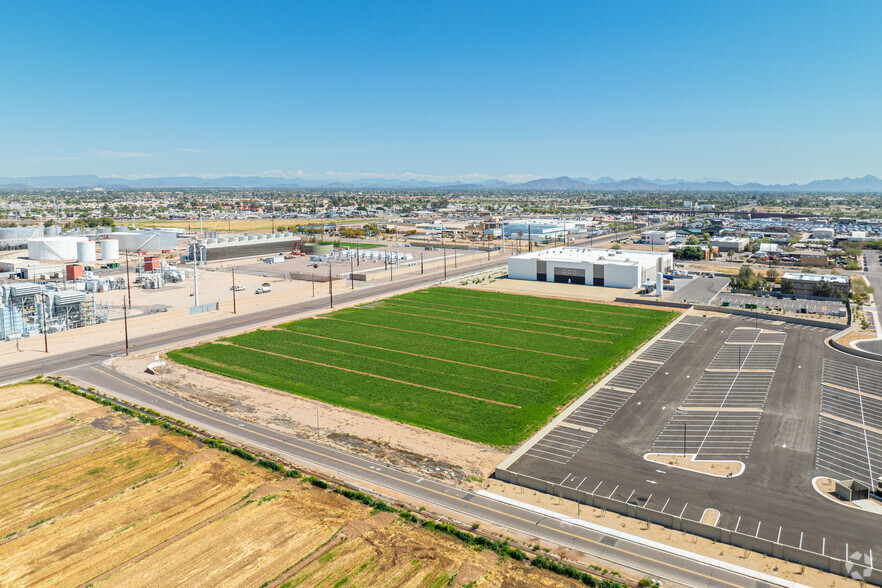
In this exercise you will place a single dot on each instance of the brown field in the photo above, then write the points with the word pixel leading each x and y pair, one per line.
pixel 252 225
pixel 92 497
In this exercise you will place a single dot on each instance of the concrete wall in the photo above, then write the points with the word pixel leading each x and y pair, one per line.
pixel 522 268
pixel 853 351
pixel 772 317
pixel 621 276
pixel 763 546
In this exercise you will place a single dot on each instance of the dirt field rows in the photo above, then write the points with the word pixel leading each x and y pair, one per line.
pixel 89 496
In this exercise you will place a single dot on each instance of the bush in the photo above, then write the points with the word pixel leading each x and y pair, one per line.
pixel 243 454
pixel 293 474
pixel 318 483
pixel 270 465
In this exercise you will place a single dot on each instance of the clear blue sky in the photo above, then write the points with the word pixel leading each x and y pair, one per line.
pixel 766 91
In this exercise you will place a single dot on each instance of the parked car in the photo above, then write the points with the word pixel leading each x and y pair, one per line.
pixel 237 288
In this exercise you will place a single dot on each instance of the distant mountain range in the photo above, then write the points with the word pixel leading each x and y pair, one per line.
pixel 868 183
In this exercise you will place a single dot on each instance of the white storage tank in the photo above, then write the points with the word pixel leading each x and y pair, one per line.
pixel 53 231
pixel 109 249
pixel 86 252
pixel 53 248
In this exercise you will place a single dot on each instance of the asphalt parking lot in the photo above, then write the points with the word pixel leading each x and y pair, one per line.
pixel 850 435
pixel 698 290
pixel 787 304
pixel 733 388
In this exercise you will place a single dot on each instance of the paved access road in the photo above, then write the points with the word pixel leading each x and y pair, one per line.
pixel 469 506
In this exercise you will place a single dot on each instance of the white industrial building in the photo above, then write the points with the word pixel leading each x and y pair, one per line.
pixel 659 237
pixel 537 230
pixel 730 243
pixel 143 240
pixel 595 267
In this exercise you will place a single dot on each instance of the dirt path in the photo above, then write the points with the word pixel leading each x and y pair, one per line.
pixel 329 318
pixel 342 369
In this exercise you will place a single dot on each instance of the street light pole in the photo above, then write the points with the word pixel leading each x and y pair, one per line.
pixel 351 273
pixel 45 326
pixel 234 290
pixel 126 326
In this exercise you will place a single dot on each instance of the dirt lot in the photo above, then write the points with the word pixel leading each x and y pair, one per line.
pixel 404 446
pixel 126 504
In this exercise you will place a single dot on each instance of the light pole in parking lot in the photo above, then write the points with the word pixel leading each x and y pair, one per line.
pixel 684 439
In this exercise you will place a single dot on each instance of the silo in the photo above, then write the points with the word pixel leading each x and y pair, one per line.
pixel 109 249
pixel 86 252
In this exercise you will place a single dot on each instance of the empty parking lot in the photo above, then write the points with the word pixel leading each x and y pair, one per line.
pixel 733 388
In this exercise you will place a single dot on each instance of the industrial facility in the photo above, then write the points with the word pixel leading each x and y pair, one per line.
pixel 598 267
pixel 15 237
pixel 205 250
pixel 29 309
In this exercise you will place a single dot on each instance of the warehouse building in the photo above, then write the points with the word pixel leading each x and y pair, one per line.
pixel 595 267
pixel 659 237
pixel 242 246
pixel 730 243
pixel 805 284
pixel 537 230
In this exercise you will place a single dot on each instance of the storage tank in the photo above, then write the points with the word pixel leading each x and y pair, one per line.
pixel 109 249
pixel 86 252
pixel 53 248
pixel 53 231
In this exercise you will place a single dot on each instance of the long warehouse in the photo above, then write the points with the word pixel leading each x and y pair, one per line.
pixel 595 267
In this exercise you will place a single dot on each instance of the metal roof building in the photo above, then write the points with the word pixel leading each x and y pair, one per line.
pixel 594 267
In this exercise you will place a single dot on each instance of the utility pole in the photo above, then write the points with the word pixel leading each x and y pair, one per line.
pixel 128 279
pixel 45 326
pixel 357 259
pixel 684 439
pixel 330 285
pixel 126 326
pixel 351 272
pixel 234 290
pixel 390 270
pixel 445 263
pixel 421 263
pixel 312 279
pixel 195 281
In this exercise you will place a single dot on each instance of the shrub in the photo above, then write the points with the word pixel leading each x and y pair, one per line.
pixel 318 483
pixel 243 454
pixel 270 465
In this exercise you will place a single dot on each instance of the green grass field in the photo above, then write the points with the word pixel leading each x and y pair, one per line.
pixel 483 366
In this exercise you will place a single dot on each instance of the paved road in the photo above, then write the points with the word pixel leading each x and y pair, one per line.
pixel 470 506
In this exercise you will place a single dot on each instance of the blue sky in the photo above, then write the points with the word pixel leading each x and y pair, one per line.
pixel 764 91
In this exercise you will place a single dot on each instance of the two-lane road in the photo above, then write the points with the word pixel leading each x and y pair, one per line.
pixel 469 506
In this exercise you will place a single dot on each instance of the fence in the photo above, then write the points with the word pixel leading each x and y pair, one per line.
pixel 768 547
